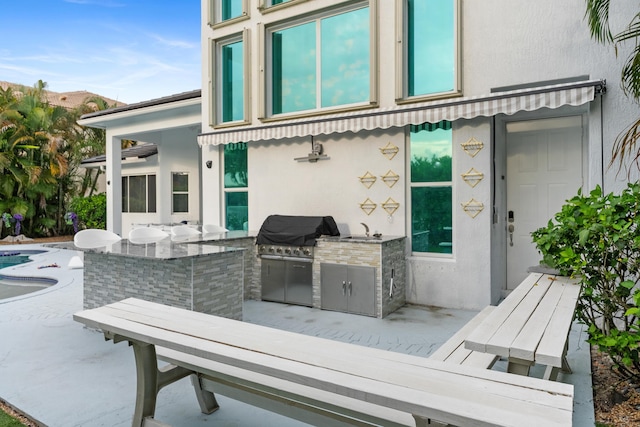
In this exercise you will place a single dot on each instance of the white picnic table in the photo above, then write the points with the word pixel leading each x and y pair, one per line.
pixel 531 325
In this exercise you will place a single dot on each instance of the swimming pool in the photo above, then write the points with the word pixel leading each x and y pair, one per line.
pixel 10 285
pixel 11 258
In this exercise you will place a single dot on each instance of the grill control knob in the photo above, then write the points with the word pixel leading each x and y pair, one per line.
pixel 287 251
pixel 279 250
pixel 307 252
pixel 296 251
pixel 271 249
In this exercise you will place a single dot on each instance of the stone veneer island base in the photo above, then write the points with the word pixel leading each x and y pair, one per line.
pixel 194 276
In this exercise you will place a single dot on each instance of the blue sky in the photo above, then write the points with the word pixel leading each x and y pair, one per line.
pixel 127 50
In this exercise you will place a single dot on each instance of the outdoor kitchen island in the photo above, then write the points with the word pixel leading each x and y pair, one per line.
pixel 360 274
pixel 202 277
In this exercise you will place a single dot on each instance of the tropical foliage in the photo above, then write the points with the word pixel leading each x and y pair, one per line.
pixel 597 15
pixel 41 147
pixel 596 237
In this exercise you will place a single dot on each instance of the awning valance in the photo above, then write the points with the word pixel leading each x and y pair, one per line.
pixel 508 102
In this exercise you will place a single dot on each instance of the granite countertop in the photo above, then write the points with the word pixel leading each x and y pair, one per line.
pixel 359 238
pixel 213 237
pixel 164 249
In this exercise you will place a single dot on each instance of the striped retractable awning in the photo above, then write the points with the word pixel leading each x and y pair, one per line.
pixel 507 102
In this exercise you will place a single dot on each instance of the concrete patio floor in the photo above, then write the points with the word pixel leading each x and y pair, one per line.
pixel 65 375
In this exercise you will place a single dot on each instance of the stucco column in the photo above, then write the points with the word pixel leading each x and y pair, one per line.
pixel 114 183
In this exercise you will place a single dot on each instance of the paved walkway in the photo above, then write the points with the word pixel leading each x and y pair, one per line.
pixel 65 375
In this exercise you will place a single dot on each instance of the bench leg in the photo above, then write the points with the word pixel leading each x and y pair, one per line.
pixel 147 382
pixel 427 422
pixel 150 380
pixel 206 399
pixel 519 366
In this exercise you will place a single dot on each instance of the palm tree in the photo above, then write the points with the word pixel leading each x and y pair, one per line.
pixel 597 14
pixel 32 157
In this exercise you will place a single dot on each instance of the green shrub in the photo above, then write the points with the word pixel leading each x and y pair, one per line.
pixel 597 239
pixel 91 211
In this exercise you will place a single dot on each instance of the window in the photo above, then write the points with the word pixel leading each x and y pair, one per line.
pixel 225 10
pixel 139 193
pixel 429 59
pixel 180 192
pixel 230 79
pixel 236 196
pixel 321 63
pixel 431 188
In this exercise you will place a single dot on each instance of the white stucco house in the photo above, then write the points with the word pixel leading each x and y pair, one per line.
pixel 462 125
pixel 157 181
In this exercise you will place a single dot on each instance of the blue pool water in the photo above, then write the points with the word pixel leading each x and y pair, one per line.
pixel 13 286
pixel 11 258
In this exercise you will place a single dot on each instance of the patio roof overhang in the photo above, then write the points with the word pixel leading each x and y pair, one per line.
pixel 507 102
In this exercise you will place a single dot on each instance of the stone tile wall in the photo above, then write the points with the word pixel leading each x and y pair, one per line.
pixel 251 284
pixel 210 284
pixel 383 256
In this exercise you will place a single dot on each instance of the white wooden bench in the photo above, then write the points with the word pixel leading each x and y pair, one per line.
pixel 317 380
pixel 531 325
pixel 453 350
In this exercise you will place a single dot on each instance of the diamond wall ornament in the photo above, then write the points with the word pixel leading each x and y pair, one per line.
pixel 472 146
pixel 368 179
pixel 472 207
pixel 472 177
pixel 390 178
pixel 389 151
pixel 368 206
pixel 390 206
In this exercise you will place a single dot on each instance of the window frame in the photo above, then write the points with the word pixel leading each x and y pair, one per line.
pixel 227 190
pixel 265 82
pixel 430 184
pixel 266 6
pixel 215 80
pixel 126 193
pixel 402 80
pixel 174 193
pixel 215 12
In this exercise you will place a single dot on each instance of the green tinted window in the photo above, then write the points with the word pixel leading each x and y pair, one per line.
pixel 345 58
pixel 230 9
pixel 237 210
pixel 337 47
pixel 431 155
pixel 294 69
pixel 431 188
pixel 235 165
pixel 232 84
pixel 430 46
pixel 431 219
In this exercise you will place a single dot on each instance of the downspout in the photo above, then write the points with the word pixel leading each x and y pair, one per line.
pixel 602 142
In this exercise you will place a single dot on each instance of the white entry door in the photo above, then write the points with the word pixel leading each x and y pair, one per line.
pixel 544 168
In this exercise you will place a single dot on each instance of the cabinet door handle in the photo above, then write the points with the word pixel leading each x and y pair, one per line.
pixel 349 288
pixel 344 287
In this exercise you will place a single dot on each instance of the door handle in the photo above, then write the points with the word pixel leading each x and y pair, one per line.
pixel 511 228
pixel 344 287
pixel 349 288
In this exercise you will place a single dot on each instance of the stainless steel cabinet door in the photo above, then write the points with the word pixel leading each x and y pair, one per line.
pixel 299 282
pixel 361 290
pixel 333 283
pixel 273 280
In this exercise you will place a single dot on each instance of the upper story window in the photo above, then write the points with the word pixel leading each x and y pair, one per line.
pixel 320 63
pixel 431 188
pixel 429 58
pixel 226 10
pixel 180 192
pixel 230 79
pixel 139 193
